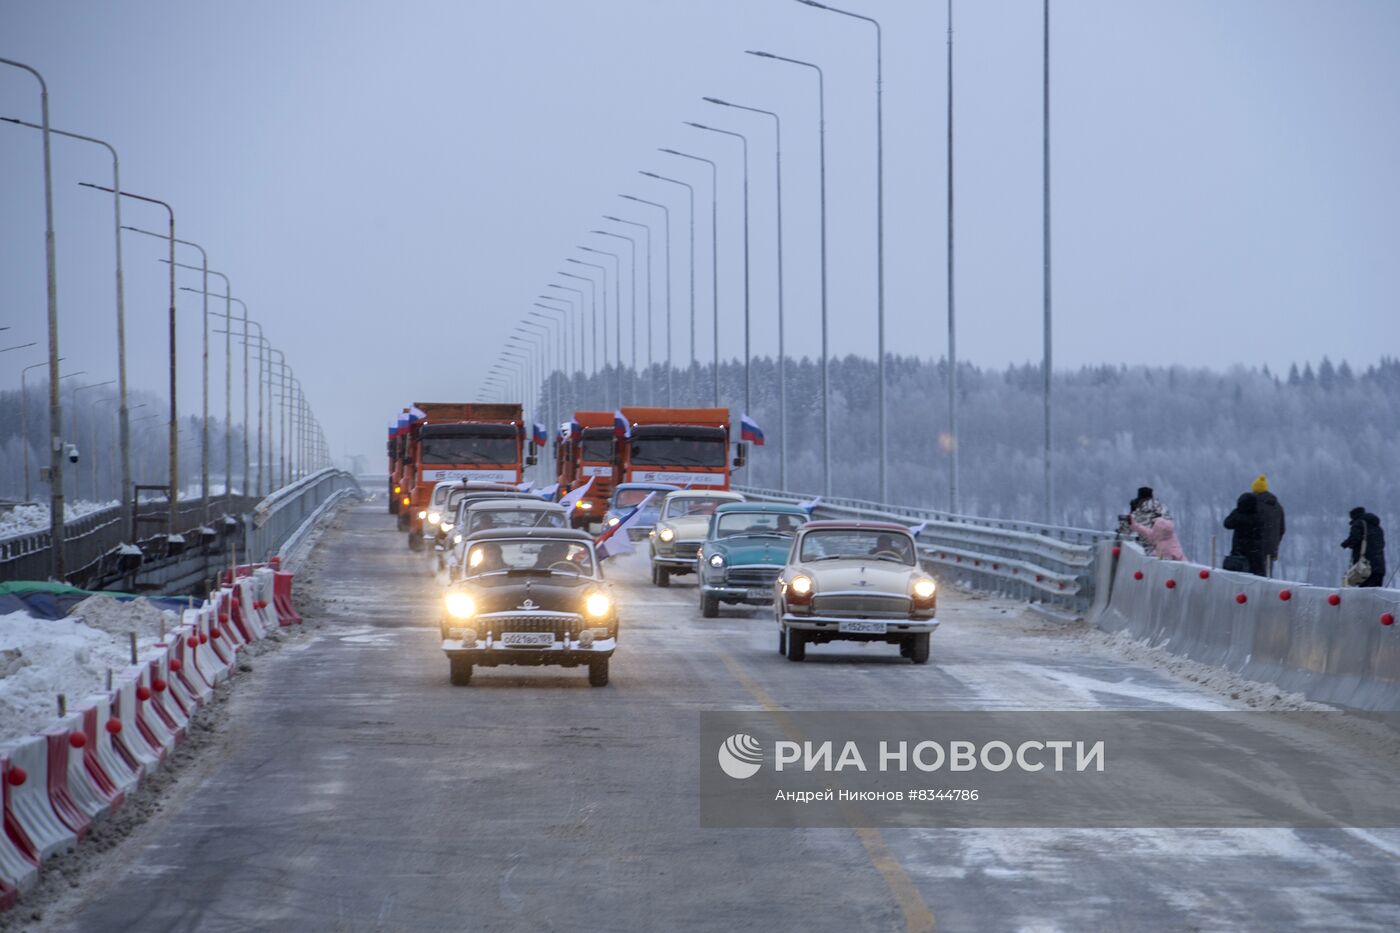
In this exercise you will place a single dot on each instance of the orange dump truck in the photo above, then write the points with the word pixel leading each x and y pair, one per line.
pixel 591 455
pixel 480 442
pixel 685 447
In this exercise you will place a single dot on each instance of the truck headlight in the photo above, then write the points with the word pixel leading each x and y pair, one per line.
pixel 717 560
pixel 456 539
pixel 666 534
pixel 597 605
pixel 407 501
pixel 446 527
pixel 421 514
pixel 397 490
pixel 433 517
pixel 460 606
pixel 924 588
pixel 585 505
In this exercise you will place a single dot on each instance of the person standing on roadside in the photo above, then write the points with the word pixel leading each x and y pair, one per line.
pixel 1246 547
pixel 1367 540
pixel 1271 521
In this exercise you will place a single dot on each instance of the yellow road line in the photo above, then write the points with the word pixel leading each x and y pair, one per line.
pixel 918 918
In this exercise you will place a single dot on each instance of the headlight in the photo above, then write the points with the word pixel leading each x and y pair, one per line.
pixel 613 520
pixel 925 588
pixel 433 517
pixel 397 490
pixel 717 560
pixel 801 585
pixel 422 514
pixel 456 539
pixel 460 606
pixel 584 504
pixel 597 605
pixel 406 501
pixel 446 527
pixel 666 534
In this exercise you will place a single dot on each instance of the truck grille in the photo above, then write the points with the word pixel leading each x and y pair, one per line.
pixel 872 606
pixel 752 576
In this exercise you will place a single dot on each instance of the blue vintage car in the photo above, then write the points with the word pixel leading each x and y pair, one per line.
pixel 745 549
pixel 628 496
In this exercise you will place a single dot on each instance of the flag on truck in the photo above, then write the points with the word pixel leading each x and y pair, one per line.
pixel 622 428
pixel 541 435
pixel 616 541
pixel 572 497
pixel 750 431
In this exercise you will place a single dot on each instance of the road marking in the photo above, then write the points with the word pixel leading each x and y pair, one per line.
pixel 918 918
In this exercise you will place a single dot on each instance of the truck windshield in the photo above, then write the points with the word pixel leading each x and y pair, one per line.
pixel 663 451
pixel 468 450
pixel 597 446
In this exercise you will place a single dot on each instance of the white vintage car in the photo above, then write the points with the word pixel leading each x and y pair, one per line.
pixel 680 530
pixel 855 581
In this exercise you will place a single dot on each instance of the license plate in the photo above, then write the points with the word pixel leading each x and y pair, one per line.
pixel 863 628
pixel 759 595
pixel 530 639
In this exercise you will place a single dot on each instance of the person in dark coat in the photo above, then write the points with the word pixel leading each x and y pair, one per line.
pixel 1366 532
pixel 1248 540
pixel 1271 521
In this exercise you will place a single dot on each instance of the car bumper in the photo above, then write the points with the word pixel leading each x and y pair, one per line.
pixel 757 596
pixel 481 654
pixel 832 625
pixel 674 563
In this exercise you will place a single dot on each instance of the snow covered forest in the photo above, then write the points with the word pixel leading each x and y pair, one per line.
pixel 1328 437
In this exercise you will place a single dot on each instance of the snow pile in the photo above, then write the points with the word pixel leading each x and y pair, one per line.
pixel 43 658
pixel 124 617
pixel 29 517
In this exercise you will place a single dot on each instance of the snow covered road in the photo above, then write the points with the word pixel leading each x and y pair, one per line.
pixel 357 790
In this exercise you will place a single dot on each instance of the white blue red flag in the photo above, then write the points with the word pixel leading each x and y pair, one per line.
pixel 810 505
pixel 621 426
pixel 548 492
pixel 541 437
pixel 616 541
pixel 572 496
pixel 918 529
pixel 525 486
pixel 750 431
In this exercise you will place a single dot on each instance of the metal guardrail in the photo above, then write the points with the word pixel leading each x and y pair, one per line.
pixel 1027 560
pixel 281 515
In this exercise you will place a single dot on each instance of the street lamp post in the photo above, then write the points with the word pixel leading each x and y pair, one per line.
pixel 782 357
pixel 666 222
pixel 51 272
pixel 74 433
pixel 632 249
pixel 651 307
pixel 24 419
pixel 124 428
pixel 581 343
pixel 714 253
pixel 228 384
pixel 879 223
pixel 572 339
pixel 826 356
pixel 593 309
pixel 1045 188
pixel 604 271
pixel 690 190
pixel 617 307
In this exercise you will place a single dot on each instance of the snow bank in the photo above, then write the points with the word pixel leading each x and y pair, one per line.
pixel 71 656
pixel 34 516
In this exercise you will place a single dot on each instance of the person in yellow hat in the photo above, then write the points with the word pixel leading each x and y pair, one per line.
pixel 1271 520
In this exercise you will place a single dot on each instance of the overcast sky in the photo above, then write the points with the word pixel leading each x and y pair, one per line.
pixel 389 185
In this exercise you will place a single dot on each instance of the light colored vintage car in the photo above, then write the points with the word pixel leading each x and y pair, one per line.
pixel 476 516
pixel 744 551
pixel 855 581
pixel 680 530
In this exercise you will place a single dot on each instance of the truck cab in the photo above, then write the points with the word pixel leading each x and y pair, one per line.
pixel 683 447
pixel 594 457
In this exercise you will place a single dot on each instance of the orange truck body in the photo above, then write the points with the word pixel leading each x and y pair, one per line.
pixel 686 447
pixel 590 455
pixel 471 441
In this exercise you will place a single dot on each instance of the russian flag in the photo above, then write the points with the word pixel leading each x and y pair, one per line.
pixel 575 429
pixel 616 541
pixel 621 426
pixel 541 435
pixel 750 431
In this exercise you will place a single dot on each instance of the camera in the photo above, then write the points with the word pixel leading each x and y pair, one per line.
pixel 72 451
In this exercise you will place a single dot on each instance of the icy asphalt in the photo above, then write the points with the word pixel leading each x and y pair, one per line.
pixel 357 790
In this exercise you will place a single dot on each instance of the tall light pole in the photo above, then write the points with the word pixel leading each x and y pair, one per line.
pixel 826 356
pixel 714 254
pixel 174 467
pixel 667 222
pixel 566 338
pixel 604 271
pixel 56 562
pixel 581 344
pixel 124 428
pixel 1045 144
pixel 782 357
pixel 263 345
pixel 617 304
pixel 953 504
pixel 690 190
pixel 879 223
pixel 574 338
pixel 228 385
pixel 632 328
pixel 24 419
pixel 593 310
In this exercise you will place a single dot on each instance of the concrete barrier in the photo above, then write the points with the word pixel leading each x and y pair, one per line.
pixel 1330 645
pixel 282 599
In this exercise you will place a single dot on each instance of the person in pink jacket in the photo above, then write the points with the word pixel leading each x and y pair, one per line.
pixel 1159 534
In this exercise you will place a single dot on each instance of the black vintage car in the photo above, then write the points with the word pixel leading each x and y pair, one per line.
pixel 529 596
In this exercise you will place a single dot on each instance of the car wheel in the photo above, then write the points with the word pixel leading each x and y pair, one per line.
pixel 661 576
pixel 461 672
pixel 796 645
pixel 598 672
pixel 918 648
pixel 709 605
pixel 415 541
pixel 782 640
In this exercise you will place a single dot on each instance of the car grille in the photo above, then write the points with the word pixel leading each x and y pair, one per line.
pixel 752 576
pixel 532 622
pixel 873 606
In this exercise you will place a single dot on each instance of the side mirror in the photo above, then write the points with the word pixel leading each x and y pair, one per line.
pixel 741 454
pixel 531 460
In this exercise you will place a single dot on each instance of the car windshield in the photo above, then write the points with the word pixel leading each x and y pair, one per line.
pixel 440 492
pixel 530 556
pixel 733 524
pixel 627 498
pixel 467 450
pixel 597 446
pixel 843 542
pixel 483 519
pixel 663 451
pixel 691 508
